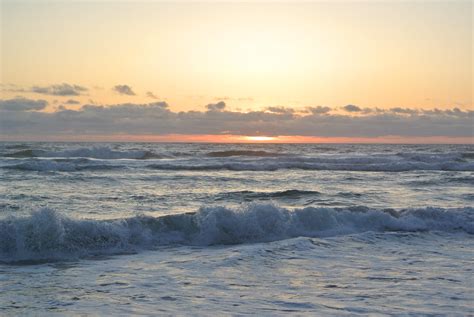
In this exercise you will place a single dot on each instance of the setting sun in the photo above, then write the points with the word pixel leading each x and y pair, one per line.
pixel 259 138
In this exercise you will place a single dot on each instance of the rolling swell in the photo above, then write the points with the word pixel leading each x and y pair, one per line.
pixel 250 195
pixel 47 235
pixel 55 166
pixel 242 153
pixel 21 154
pixel 274 165
pixel 94 152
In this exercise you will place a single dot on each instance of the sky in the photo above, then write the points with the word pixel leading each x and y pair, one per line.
pixel 338 71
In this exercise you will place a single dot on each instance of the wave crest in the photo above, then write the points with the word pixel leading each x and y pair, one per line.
pixel 49 235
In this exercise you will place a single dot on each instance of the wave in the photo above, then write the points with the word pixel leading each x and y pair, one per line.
pixel 432 157
pixel 461 179
pixel 55 166
pixel 16 146
pixel 242 153
pixel 47 235
pixel 250 195
pixel 274 165
pixel 468 155
pixel 22 153
pixel 246 160
pixel 79 164
pixel 104 153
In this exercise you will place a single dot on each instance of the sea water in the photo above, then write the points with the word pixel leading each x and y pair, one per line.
pixel 206 229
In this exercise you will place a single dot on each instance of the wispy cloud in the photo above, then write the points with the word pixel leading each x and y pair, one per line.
pixel 280 110
pixel 63 89
pixel 72 102
pixel 227 98
pixel 151 95
pixel 12 88
pixel 318 110
pixel 59 90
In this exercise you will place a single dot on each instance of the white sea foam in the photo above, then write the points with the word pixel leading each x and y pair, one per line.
pixel 48 235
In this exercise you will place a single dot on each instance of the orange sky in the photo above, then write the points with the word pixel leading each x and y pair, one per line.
pixel 244 139
pixel 384 54
pixel 373 54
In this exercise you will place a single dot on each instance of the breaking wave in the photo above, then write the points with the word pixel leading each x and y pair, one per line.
pixel 47 235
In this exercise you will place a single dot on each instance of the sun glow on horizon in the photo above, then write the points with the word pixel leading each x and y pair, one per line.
pixel 259 138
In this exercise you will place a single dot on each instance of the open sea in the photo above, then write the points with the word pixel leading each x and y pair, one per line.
pixel 236 229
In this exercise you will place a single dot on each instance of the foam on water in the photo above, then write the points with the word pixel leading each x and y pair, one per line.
pixel 49 235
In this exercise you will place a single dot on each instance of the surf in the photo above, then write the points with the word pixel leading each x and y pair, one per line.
pixel 47 234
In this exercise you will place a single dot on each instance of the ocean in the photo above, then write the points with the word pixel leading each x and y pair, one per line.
pixel 236 229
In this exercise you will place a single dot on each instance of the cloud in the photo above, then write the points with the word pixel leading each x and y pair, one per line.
pixel 351 108
pixel 72 102
pixel 59 90
pixel 11 88
pixel 404 110
pixel 158 119
pixel 455 112
pixel 227 98
pixel 151 95
pixel 124 90
pixel 216 106
pixel 281 110
pixel 22 104
pixel 318 110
